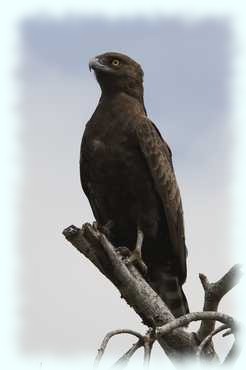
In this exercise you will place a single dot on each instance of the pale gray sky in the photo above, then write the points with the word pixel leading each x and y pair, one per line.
pixel 187 75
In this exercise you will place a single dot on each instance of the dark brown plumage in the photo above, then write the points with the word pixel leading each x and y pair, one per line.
pixel 127 174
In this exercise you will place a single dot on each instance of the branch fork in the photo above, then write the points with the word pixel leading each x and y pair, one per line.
pixel 178 344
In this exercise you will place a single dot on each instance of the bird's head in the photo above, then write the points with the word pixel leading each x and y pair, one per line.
pixel 116 72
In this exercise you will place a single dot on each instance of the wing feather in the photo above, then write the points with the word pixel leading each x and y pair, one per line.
pixel 158 157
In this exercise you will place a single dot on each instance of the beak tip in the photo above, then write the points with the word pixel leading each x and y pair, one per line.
pixel 96 65
pixel 92 63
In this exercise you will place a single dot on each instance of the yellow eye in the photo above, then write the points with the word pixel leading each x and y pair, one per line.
pixel 115 62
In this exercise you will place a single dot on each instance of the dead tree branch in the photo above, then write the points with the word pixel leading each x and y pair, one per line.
pixel 124 359
pixel 197 316
pixel 208 339
pixel 107 339
pixel 178 344
pixel 213 293
pixel 132 286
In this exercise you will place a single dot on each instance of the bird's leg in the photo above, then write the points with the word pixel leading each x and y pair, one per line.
pixel 136 254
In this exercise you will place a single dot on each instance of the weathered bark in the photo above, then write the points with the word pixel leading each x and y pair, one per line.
pixel 177 342
pixel 214 292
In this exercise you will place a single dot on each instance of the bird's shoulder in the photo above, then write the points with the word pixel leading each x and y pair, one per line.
pixel 149 135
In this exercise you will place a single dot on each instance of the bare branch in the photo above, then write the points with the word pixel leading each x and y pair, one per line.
pixel 227 320
pixel 147 342
pixel 107 338
pixel 133 288
pixel 178 344
pixel 214 292
pixel 148 345
pixel 124 359
pixel 82 241
pixel 206 340
pixel 196 316
pixel 147 353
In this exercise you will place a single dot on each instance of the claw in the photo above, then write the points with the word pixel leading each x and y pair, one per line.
pixel 123 252
pixel 95 226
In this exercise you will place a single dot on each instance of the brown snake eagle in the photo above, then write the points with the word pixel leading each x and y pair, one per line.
pixel 127 174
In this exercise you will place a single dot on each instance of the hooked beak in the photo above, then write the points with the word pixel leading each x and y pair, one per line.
pixel 95 64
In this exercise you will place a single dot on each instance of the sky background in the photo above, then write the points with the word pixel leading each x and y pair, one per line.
pixel 187 77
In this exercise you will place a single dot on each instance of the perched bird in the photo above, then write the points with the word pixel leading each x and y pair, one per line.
pixel 127 174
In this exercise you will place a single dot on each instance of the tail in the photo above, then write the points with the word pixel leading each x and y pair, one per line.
pixel 168 287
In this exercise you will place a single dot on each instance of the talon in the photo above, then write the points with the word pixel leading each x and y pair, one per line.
pixel 123 251
pixel 95 226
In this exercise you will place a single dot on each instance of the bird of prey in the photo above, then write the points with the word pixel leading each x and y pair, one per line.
pixel 127 174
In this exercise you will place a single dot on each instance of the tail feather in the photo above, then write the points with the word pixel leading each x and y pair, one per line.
pixel 168 287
